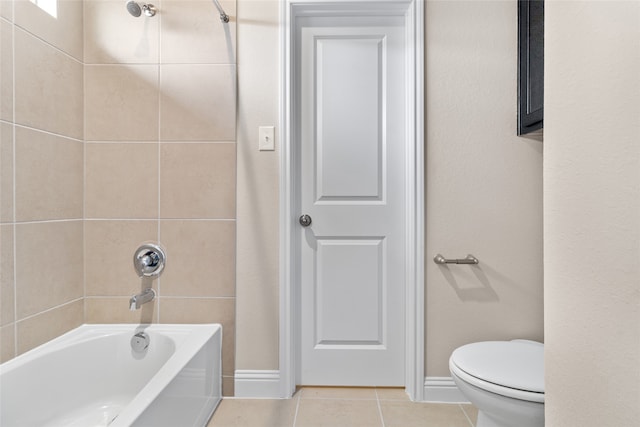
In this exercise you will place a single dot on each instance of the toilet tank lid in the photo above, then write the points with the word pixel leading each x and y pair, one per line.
pixel 517 364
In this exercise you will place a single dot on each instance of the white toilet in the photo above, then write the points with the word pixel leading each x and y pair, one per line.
pixel 504 380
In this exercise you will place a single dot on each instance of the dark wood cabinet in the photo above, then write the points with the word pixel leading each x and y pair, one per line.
pixel 530 65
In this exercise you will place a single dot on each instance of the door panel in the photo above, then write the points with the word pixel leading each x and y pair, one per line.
pixel 345 140
pixel 347 287
pixel 352 140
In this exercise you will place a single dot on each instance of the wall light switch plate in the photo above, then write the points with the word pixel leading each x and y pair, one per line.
pixel 266 138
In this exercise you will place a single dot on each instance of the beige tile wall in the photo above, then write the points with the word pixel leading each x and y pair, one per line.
pixel 160 114
pixel 115 131
pixel 41 174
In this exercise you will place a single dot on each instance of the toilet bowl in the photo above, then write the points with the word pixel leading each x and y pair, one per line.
pixel 504 380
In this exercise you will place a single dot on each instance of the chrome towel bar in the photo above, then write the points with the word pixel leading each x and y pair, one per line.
pixel 470 259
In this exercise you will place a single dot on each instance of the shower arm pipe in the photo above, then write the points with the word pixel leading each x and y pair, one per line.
pixel 223 16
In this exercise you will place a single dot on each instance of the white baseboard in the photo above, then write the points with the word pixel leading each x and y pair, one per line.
pixel 443 390
pixel 252 384
pixel 257 384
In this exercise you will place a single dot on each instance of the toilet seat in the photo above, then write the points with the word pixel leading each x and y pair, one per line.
pixel 509 368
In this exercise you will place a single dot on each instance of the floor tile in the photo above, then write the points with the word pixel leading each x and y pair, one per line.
pixel 342 407
pixel 392 393
pixel 338 413
pixel 254 413
pixel 354 393
pixel 410 414
pixel 471 411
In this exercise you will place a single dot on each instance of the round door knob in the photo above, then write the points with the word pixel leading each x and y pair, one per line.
pixel 305 220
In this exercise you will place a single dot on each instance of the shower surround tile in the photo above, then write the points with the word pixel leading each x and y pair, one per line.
pixel 48 325
pixel 202 258
pixel 49 176
pixel 48 87
pixel 6 9
pixel 160 153
pixel 58 277
pixel 7 282
pixel 62 30
pixel 121 102
pixel 205 310
pixel 114 242
pixel 41 172
pixel 197 24
pixel 6 172
pixel 7 342
pixel 116 310
pixel 198 102
pixel 6 70
pixel 135 42
pixel 198 180
pixel 121 180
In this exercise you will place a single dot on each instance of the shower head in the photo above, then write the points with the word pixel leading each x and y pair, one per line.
pixel 136 10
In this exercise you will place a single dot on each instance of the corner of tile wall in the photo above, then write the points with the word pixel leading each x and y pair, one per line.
pixel 41 163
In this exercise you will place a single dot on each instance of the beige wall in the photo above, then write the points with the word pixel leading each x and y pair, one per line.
pixel 41 131
pixel 258 183
pixel 160 114
pixel 592 213
pixel 484 185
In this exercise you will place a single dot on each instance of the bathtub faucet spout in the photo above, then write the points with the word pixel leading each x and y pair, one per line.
pixel 145 296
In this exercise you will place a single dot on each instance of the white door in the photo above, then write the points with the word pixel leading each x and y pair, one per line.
pixel 352 136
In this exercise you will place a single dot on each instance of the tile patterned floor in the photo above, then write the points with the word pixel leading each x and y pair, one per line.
pixel 342 407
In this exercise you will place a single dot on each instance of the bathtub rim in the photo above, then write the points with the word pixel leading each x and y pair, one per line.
pixel 193 339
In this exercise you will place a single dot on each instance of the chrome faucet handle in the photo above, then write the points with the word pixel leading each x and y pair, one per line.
pixel 149 260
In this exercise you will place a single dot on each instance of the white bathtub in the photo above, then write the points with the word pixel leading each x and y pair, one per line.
pixel 91 377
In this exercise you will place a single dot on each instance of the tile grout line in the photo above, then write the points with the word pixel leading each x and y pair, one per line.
pixel 379 406
pixel 159 152
pixel 465 415
pixel 46 221
pixel 295 415
pixel 48 43
pixel 14 227
pixel 48 132
pixel 48 310
pixel 357 399
pixel 84 172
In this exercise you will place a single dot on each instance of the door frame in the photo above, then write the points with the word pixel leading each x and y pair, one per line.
pixel 413 13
